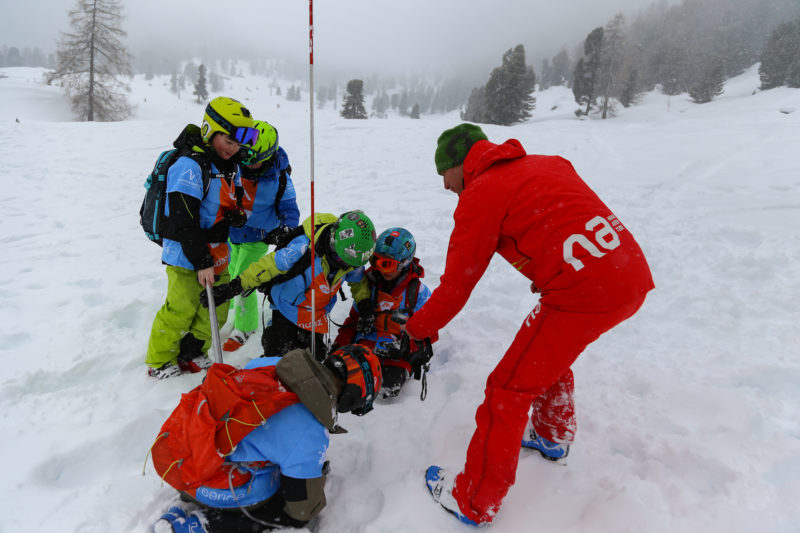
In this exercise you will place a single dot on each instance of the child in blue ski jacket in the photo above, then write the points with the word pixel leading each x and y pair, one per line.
pixel 271 204
pixel 203 201
pixel 342 245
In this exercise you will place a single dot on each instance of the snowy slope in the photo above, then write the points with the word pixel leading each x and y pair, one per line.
pixel 688 413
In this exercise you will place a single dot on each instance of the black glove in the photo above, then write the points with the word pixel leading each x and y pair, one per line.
pixel 223 292
pixel 235 217
pixel 399 317
pixel 277 235
pixel 420 358
pixel 394 352
pixel 366 316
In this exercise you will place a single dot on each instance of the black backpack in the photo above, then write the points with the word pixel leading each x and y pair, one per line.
pixel 151 214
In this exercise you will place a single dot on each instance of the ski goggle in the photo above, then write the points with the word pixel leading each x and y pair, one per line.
pixel 250 156
pixel 387 265
pixel 247 136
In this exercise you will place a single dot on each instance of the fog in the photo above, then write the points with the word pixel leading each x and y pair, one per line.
pixel 353 37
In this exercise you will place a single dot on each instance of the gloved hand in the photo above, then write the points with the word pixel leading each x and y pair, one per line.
pixel 235 217
pixel 399 317
pixel 276 236
pixel 366 316
pixel 394 352
pixel 420 358
pixel 223 292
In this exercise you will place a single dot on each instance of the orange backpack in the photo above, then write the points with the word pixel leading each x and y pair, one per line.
pixel 211 420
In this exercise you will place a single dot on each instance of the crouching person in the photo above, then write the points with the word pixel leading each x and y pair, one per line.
pixel 394 279
pixel 342 245
pixel 246 449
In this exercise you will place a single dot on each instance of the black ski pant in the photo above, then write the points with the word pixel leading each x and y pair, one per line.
pixel 284 336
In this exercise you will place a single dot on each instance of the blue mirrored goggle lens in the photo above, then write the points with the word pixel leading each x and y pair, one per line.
pixel 247 136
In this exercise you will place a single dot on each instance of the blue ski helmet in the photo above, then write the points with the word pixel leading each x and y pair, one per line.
pixel 397 244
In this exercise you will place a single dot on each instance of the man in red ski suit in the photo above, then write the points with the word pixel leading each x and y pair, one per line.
pixel 538 214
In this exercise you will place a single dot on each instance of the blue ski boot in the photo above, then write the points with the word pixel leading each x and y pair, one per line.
pixel 552 451
pixel 441 488
pixel 175 520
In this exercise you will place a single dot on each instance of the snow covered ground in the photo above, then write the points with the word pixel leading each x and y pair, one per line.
pixel 689 413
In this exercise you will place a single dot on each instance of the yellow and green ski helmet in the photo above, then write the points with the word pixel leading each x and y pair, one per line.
pixel 228 116
pixel 265 147
pixel 353 238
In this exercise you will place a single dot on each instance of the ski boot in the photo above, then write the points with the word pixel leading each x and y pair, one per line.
pixel 552 451
pixel 236 340
pixel 441 488
pixel 175 520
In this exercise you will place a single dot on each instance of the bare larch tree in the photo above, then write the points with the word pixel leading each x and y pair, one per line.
pixel 92 61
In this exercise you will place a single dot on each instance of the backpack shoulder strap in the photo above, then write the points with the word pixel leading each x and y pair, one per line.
pixel 282 179
pixel 205 170
pixel 296 269
pixel 285 238
pixel 411 295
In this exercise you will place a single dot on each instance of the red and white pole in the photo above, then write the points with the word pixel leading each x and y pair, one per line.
pixel 311 171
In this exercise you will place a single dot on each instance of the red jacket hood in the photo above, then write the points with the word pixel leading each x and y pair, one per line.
pixel 484 154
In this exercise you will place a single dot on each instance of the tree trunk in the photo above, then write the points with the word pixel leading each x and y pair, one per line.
pixel 90 116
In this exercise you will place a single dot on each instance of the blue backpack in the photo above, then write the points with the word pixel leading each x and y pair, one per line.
pixel 151 214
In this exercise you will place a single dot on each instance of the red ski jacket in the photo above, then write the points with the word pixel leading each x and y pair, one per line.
pixel 538 214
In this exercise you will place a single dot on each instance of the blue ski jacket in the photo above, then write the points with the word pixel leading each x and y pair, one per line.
pixel 186 177
pixel 259 201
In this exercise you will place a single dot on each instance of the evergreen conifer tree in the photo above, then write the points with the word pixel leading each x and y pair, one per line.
pixel 200 88
pixel 630 90
pixel 92 60
pixel 559 69
pixel 414 111
pixel 217 85
pixel 190 72
pixel 585 78
pixel 781 55
pixel 793 76
pixel 612 58
pixel 710 86
pixel 353 106
pixel 14 58
pixel 546 77
pixel 475 110
pixel 509 89
pixel 174 88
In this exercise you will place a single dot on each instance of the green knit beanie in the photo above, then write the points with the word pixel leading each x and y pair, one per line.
pixel 454 144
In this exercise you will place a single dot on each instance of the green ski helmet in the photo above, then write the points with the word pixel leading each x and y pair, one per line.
pixel 265 147
pixel 353 238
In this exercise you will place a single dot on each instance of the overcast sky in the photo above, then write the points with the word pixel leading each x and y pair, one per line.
pixel 408 34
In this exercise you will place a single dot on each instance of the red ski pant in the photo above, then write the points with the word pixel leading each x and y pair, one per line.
pixel 534 371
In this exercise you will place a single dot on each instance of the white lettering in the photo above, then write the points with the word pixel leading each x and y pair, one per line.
pixel 307 325
pixel 606 237
pixel 577 238
pixel 532 315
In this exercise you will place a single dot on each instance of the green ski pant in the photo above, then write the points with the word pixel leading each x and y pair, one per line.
pixel 245 310
pixel 181 314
